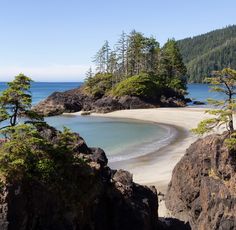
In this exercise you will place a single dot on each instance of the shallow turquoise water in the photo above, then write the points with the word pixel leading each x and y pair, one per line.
pixel 121 139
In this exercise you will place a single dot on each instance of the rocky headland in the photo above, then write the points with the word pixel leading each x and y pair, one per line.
pixel 76 100
pixel 202 189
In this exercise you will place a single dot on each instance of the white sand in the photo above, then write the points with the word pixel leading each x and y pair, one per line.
pixel 156 168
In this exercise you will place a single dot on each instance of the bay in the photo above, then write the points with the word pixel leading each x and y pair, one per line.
pixel 120 138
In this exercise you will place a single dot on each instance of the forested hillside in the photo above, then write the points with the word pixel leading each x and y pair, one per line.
pixel 211 51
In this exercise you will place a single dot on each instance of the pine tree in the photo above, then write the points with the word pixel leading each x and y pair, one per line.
pixel 151 51
pixel 16 101
pixel 223 81
pixel 102 57
pixel 171 67
pixel 121 50
pixel 135 52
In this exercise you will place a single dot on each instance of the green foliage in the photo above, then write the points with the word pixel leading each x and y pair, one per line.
pixel 98 85
pixel 140 85
pixel 27 154
pixel 22 155
pixel 171 69
pixel 3 114
pixel 16 100
pixel 136 56
pixel 211 51
pixel 205 126
pixel 231 142
pixel 224 82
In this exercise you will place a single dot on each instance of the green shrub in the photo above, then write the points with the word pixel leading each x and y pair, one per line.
pixel 27 154
pixel 139 85
pixel 99 84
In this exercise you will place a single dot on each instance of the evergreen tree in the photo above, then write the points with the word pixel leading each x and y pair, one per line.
pixel 135 52
pixel 89 73
pixel 101 58
pixel 122 59
pixel 208 52
pixel 224 82
pixel 16 101
pixel 171 68
pixel 151 52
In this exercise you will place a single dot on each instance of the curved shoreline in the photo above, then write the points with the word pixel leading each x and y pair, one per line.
pixel 145 148
pixel 156 167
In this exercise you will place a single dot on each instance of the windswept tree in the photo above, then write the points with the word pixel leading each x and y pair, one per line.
pixel 16 101
pixel 224 82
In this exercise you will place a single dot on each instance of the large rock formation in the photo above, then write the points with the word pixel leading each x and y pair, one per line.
pixel 86 195
pixel 76 100
pixel 203 186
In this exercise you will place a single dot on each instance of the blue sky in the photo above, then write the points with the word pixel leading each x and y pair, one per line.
pixel 55 40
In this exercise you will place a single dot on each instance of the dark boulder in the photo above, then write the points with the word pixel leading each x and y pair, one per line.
pixel 202 189
pixel 199 103
pixel 99 156
pixel 106 104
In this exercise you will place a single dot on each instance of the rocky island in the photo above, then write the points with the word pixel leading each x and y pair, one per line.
pixel 76 100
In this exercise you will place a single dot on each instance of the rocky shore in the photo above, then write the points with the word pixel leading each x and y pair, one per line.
pixel 76 100
pixel 202 189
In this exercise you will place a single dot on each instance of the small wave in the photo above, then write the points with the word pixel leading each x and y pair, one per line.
pixel 145 147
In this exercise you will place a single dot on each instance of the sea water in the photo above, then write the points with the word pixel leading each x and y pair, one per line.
pixel 41 90
pixel 120 138
pixel 202 92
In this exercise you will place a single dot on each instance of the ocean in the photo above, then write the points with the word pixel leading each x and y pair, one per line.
pixel 120 138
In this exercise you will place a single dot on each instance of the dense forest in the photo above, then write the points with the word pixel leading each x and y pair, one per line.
pixel 207 52
pixel 137 66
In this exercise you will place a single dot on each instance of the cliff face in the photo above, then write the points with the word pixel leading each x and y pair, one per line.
pixel 203 186
pixel 90 196
pixel 75 100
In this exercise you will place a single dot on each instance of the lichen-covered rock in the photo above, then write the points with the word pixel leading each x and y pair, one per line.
pixel 203 185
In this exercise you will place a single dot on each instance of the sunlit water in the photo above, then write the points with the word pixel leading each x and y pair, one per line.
pixel 120 138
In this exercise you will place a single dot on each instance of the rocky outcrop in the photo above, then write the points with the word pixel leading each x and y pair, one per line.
pixel 203 185
pixel 87 196
pixel 76 100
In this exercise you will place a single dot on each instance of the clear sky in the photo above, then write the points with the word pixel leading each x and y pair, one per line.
pixel 55 40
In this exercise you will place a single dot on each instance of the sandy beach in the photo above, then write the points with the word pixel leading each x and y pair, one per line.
pixel 156 168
